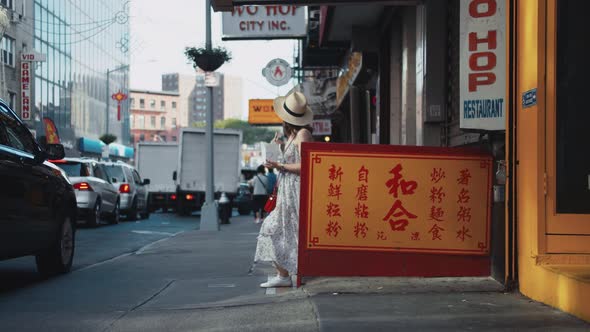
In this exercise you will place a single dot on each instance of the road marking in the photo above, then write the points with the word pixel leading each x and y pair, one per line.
pixel 110 260
pixel 221 285
pixel 165 223
pixel 153 233
pixel 271 291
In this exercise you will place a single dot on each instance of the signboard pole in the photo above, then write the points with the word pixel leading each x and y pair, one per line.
pixel 209 216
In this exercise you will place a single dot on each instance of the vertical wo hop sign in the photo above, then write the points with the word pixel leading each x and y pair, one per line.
pixel 483 64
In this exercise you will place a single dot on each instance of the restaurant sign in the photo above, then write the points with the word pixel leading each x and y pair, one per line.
pixel 359 198
pixel 264 22
pixel 261 112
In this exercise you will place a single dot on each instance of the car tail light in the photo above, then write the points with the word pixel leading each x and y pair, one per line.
pixel 83 186
pixel 189 197
pixel 124 189
pixel 173 197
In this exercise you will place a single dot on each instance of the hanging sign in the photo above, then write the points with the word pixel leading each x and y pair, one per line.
pixel 482 64
pixel 261 112
pixel 264 22
pixel 277 72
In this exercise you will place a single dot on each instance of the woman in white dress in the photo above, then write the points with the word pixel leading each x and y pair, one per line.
pixel 279 234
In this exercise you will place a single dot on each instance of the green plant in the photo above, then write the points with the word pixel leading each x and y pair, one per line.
pixel 207 60
pixel 108 138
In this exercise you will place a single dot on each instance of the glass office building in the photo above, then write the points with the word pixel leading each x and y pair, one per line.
pixel 85 42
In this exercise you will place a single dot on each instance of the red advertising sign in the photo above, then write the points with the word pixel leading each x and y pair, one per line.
pixel 428 209
pixel 25 85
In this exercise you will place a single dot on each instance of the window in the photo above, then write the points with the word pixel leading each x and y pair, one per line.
pixel 136 177
pixel 132 101
pixel 8 50
pixel 162 122
pixel 131 121
pixel 174 105
pixel 15 135
pixel 141 137
pixel 140 122
pixel 173 122
pixel 153 121
pixel 571 120
pixel 12 99
pixel 173 138
pixel 7 3
pixel 152 103
pixel 163 138
pixel 163 104
pixel 142 103
pixel 97 170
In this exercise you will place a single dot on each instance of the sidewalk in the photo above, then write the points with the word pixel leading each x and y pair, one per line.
pixel 213 286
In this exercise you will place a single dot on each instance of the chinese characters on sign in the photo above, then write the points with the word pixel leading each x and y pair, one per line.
pixel 364 201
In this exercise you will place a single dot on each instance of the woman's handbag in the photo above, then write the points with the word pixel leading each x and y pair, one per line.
pixel 272 201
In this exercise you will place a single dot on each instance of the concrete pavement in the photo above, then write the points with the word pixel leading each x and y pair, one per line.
pixel 203 281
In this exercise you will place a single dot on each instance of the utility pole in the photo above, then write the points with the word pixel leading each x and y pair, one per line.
pixel 209 216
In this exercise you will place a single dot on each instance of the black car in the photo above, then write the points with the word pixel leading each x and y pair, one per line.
pixel 37 201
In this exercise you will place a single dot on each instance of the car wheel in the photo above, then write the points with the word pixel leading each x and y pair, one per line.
pixel 116 214
pixel 145 214
pixel 58 259
pixel 93 218
pixel 132 214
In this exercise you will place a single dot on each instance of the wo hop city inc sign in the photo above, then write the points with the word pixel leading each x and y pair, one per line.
pixel 483 64
pixel 264 22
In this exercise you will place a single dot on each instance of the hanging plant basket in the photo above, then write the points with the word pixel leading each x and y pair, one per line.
pixel 207 60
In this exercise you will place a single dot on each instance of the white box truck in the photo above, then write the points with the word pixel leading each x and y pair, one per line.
pixel 191 178
pixel 158 162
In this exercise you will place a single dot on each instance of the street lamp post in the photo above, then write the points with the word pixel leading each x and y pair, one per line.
pixel 108 96
pixel 209 216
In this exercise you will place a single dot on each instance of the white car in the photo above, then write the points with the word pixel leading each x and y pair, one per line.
pixel 95 194
pixel 132 189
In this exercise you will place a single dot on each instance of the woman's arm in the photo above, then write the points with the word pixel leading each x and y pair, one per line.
pixel 302 136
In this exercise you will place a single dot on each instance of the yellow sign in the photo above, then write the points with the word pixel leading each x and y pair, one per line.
pixel 348 75
pixel 261 111
pixel 398 202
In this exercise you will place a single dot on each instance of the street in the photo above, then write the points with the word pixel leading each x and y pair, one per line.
pixel 162 274
pixel 99 245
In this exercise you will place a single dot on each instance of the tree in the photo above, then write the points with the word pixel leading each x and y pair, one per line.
pixel 108 138
pixel 250 134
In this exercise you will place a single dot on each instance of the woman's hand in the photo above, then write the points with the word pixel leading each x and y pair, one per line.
pixel 271 164
pixel 277 138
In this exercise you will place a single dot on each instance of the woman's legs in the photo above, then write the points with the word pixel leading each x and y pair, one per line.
pixel 281 272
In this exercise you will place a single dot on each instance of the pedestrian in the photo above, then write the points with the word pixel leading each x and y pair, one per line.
pixel 259 183
pixel 272 179
pixel 278 237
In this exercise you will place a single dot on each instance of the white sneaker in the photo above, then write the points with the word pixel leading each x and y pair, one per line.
pixel 277 282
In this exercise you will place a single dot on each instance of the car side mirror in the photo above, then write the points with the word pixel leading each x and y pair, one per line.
pixel 174 176
pixel 54 152
pixel 146 181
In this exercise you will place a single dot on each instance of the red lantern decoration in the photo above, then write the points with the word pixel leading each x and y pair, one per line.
pixel 119 97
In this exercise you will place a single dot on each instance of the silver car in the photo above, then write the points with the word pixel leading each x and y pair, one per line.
pixel 133 191
pixel 95 194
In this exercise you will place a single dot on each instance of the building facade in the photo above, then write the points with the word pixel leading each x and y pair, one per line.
pixel 403 68
pixel 86 47
pixel 154 116
pixel 17 39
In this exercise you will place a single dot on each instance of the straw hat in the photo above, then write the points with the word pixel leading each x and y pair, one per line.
pixel 293 109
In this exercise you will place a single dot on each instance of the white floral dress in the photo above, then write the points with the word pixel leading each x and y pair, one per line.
pixel 279 235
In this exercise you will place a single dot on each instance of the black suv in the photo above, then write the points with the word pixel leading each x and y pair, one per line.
pixel 37 201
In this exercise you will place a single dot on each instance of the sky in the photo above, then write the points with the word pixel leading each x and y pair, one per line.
pixel 160 31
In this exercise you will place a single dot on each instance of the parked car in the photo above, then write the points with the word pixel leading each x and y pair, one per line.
pixel 37 201
pixel 133 192
pixel 95 193
pixel 243 199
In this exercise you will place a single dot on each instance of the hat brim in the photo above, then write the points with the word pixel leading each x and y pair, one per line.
pixel 304 120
